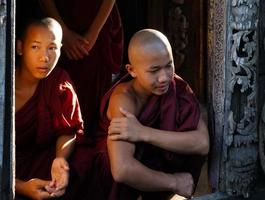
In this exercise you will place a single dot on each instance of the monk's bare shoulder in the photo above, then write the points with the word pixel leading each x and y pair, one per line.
pixel 122 97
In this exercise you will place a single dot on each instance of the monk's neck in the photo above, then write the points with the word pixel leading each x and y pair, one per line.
pixel 23 80
pixel 140 93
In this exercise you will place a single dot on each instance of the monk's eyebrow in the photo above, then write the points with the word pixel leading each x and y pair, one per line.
pixel 158 66
pixel 35 41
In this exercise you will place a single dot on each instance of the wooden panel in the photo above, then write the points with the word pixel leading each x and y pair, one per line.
pixel 187 33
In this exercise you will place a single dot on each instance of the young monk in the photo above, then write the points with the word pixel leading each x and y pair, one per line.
pixel 157 138
pixel 47 113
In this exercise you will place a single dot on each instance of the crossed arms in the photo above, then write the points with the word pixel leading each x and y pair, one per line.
pixel 125 130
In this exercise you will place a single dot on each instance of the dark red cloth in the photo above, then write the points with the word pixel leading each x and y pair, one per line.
pixel 92 74
pixel 53 110
pixel 177 110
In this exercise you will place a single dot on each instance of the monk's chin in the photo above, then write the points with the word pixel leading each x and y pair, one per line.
pixel 161 91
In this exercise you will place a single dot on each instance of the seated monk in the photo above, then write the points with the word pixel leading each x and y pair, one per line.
pixel 157 140
pixel 47 116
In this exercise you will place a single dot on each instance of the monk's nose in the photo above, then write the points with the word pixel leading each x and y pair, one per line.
pixel 163 76
pixel 45 56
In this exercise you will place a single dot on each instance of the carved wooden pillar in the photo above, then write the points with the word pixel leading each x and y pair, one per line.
pixel 232 53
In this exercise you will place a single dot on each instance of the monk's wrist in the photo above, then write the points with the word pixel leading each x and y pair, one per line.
pixel 61 158
pixel 146 134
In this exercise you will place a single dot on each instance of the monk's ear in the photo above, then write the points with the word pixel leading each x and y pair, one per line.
pixel 130 69
pixel 19 47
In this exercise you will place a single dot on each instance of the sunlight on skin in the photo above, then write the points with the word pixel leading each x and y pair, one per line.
pixel 177 197
pixel 68 143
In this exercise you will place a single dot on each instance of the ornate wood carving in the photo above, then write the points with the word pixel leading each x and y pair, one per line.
pixel 177 32
pixel 240 135
pixel 233 52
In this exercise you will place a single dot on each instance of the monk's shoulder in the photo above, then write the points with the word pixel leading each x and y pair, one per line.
pixel 122 92
pixel 121 97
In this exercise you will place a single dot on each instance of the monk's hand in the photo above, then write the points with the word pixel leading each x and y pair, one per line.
pixel 126 128
pixel 184 184
pixel 35 189
pixel 91 36
pixel 74 45
pixel 60 177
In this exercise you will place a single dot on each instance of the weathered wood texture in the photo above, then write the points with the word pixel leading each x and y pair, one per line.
pixel 233 63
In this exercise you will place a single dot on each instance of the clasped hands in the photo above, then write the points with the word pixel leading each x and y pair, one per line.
pixel 40 189
pixel 60 176
pixel 78 46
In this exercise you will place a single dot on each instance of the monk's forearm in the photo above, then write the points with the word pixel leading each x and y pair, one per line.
pixel 126 169
pixel 51 10
pixel 140 177
pixel 19 186
pixel 188 142
pixel 102 15
pixel 65 145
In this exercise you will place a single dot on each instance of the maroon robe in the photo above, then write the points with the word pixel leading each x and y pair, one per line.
pixel 53 110
pixel 177 110
pixel 92 75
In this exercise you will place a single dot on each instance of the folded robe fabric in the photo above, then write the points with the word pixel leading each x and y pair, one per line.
pixel 177 110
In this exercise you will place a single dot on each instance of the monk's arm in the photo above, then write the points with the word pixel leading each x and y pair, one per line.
pixel 92 33
pixel 65 145
pixel 128 128
pixel 60 167
pixel 102 15
pixel 126 169
pixel 188 142
pixel 51 10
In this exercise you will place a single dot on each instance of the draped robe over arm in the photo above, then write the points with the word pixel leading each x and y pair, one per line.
pixel 177 110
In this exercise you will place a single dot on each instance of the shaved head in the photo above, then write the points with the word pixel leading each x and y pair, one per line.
pixel 48 22
pixel 146 41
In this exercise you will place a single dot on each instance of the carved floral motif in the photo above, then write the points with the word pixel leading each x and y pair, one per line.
pixel 241 134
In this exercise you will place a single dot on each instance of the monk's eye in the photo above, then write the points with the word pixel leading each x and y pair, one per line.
pixel 169 66
pixel 35 47
pixel 153 71
pixel 53 48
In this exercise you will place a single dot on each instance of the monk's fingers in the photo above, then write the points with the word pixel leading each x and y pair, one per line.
pixel 61 182
pixel 44 194
pixel 49 188
pixel 116 137
pixel 120 121
pixel 126 113
pixel 69 54
pixel 113 129
pixel 58 193
pixel 115 124
pixel 76 53
pixel 73 51
pixel 85 44
pixel 84 49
